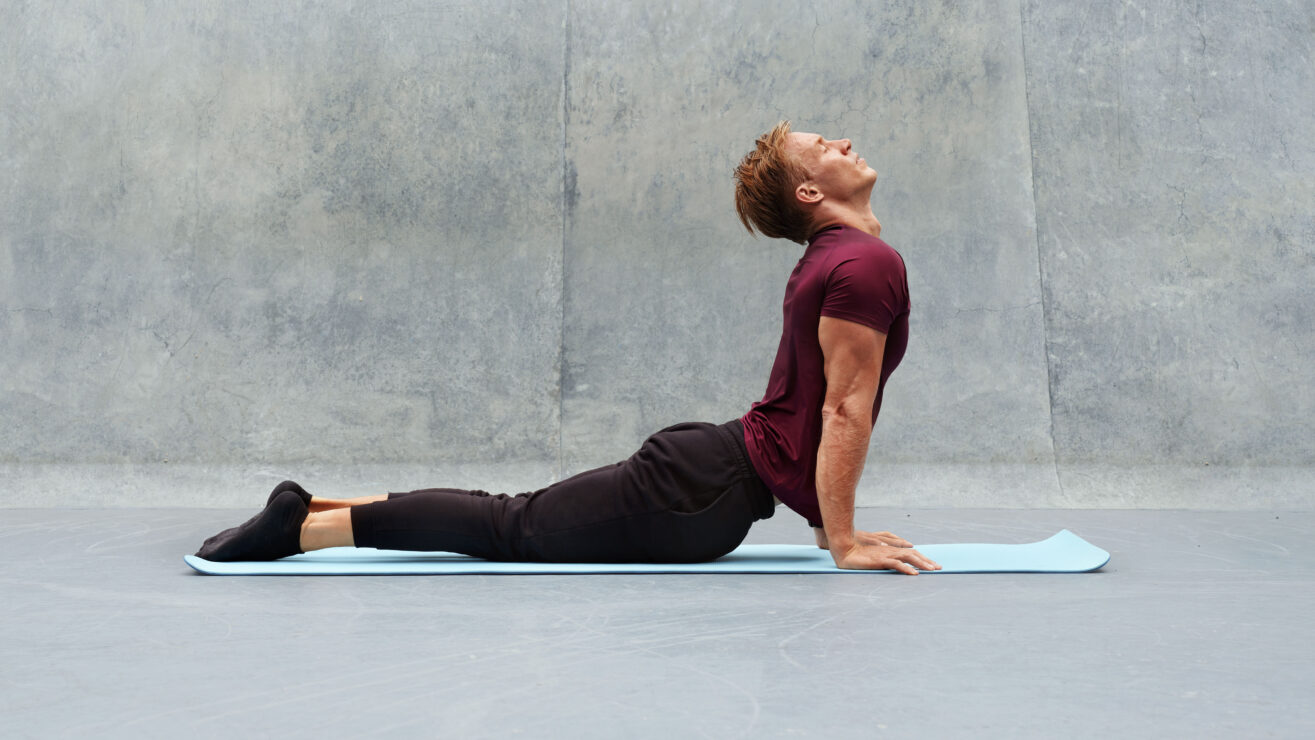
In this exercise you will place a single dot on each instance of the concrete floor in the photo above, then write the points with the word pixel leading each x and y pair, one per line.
pixel 1200 626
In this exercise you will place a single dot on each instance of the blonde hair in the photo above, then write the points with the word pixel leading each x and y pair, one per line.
pixel 765 181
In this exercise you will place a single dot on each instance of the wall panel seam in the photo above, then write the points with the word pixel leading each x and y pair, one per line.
pixel 1036 236
pixel 563 204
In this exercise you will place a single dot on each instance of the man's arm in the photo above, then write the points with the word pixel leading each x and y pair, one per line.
pixel 865 538
pixel 852 355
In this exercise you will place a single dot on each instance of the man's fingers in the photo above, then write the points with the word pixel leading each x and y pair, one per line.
pixel 893 540
pixel 922 561
pixel 912 561
pixel 905 568
pixel 904 560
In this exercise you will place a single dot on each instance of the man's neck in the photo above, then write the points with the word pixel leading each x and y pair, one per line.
pixel 859 218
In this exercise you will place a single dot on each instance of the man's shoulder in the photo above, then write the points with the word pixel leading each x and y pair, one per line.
pixel 846 242
pixel 865 253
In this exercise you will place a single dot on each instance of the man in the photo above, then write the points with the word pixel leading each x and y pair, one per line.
pixel 692 491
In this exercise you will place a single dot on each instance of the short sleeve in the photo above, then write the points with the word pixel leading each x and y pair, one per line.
pixel 868 289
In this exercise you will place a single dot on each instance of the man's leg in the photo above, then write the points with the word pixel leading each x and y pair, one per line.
pixel 318 503
pixel 329 528
pixel 688 494
pixel 329 523
pixel 292 521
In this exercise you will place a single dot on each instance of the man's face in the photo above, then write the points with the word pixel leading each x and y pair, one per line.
pixel 833 165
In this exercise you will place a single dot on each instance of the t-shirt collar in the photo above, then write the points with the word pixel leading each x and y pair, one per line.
pixel 812 239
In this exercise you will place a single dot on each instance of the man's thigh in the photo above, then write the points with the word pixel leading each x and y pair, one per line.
pixel 682 469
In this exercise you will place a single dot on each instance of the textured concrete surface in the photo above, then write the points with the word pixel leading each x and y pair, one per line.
pixel 494 242
pixel 1175 173
pixel 265 233
pixel 1198 627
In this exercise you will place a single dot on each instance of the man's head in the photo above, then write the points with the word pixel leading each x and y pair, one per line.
pixel 793 182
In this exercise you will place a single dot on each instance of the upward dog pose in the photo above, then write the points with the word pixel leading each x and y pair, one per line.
pixel 691 491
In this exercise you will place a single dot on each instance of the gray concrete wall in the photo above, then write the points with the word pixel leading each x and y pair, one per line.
pixel 385 245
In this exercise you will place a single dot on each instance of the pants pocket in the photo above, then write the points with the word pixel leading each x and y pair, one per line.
pixel 706 534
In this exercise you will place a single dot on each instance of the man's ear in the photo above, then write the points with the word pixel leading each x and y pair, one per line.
pixel 807 192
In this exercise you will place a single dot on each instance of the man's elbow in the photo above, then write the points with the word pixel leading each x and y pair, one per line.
pixel 847 411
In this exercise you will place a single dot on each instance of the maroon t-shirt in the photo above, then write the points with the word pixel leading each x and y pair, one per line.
pixel 846 274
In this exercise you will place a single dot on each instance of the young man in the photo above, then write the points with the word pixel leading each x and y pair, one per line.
pixel 692 491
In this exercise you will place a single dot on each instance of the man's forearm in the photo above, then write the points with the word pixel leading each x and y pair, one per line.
pixel 840 458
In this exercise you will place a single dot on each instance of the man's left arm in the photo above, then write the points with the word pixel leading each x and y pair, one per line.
pixel 852 357
pixel 851 363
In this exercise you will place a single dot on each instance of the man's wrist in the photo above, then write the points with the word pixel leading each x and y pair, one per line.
pixel 820 534
pixel 840 542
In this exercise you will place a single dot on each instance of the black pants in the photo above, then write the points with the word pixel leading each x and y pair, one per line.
pixel 688 495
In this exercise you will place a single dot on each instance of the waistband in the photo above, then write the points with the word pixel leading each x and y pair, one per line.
pixel 763 501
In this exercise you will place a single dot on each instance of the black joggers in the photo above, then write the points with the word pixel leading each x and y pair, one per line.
pixel 688 495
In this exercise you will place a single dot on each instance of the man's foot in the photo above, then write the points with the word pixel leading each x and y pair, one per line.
pixel 288 485
pixel 272 534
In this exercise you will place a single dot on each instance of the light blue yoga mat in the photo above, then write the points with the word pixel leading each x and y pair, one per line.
pixel 1063 553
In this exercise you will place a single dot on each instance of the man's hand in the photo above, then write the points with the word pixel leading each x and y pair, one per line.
pixel 865 538
pixel 880 538
pixel 883 557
